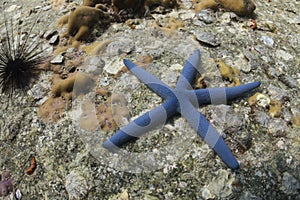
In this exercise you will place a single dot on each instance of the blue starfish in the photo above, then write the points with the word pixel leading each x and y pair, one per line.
pixel 184 100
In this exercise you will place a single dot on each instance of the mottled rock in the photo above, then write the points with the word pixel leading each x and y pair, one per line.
pixel 57 59
pixel 123 45
pixel 54 40
pixel 290 185
pixel 207 39
pixel 76 185
pixel 206 16
pixel 220 186
pixel 267 40
pixel 281 54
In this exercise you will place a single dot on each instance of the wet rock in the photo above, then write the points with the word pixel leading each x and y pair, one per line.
pixel 277 127
pixel 54 40
pixel 49 34
pixel 262 118
pixel 248 196
pixel 94 65
pixel 276 92
pixel 76 185
pixel 57 59
pixel 290 185
pixel 114 66
pixel 281 54
pixel 123 45
pixel 206 16
pixel 207 39
pixel 12 8
pixel 219 187
pixel 267 40
pixel 288 80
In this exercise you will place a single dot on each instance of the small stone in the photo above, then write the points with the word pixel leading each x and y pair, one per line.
pixel 18 194
pixel 12 8
pixel 114 66
pixel 281 54
pixel 277 127
pixel 54 40
pixel 288 80
pixel 207 38
pixel 206 16
pixel 49 33
pixel 267 40
pixel 118 47
pixel 45 8
pixel 290 185
pixel 123 195
pixel 76 185
pixel 57 59
pixel 95 65
pixel 206 193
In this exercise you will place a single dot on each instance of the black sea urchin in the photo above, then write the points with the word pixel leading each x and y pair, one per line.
pixel 19 59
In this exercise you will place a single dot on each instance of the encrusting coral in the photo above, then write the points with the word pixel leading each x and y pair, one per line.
pixel 6 184
pixel 63 90
pixel 82 20
pixel 240 7
pixel 142 7
pixel 229 73
pixel 93 3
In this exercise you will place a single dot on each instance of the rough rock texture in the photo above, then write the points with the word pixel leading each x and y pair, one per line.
pixel 70 161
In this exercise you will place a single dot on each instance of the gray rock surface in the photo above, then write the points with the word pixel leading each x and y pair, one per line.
pixel 70 164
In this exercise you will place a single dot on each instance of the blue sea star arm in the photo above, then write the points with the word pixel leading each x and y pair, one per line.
pixel 208 133
pixel 188 72
pixel 151 81
pixel 223 95
pixel 143 124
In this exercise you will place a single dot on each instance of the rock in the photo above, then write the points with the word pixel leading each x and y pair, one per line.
pixel 114 66
pixel 54 40
pixel 57 59
pixel 290 185
pixel 281 54
pixel 94 65
pixel 123 45
pixel 207 38
pixel 76 185
pixel 12 8
pixel 267 40
pixel 219 187
pixel 206 16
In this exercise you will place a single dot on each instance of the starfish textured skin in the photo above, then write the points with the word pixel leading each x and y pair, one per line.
pixel 184 100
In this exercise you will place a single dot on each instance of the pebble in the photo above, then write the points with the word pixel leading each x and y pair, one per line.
pixel 18 194
pixel 45 8
pixel 57 59
pixel 12 8
pixel 281 54
pixel 276 92
pixel 207 38
pixel 76 185
pixel 95 65
pixel 267 40
pixel 206 16
pixel 290 185
pixel 277 127
pixel 124 45
pixel 54 40
pixel 288 80
pixel 114 66
pixel 49 34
